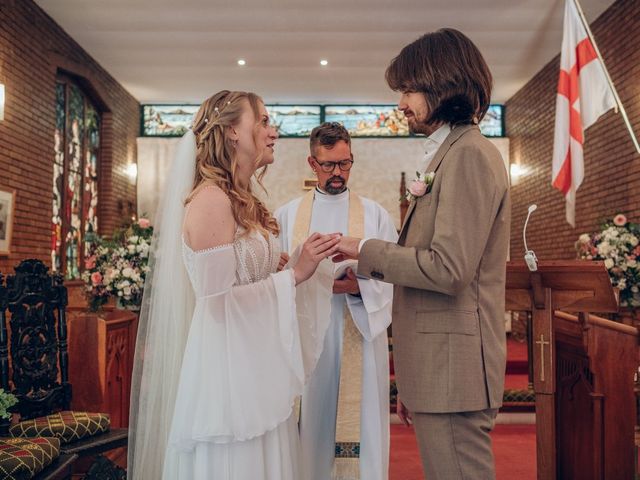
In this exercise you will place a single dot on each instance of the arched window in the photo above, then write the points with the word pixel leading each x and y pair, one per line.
pixel 75 177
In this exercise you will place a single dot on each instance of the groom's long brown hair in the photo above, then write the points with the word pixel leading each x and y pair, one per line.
pixel 450 71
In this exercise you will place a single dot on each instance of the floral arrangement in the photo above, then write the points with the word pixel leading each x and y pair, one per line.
pixel 617 244
pixel 118 268
pixel 7 400
pixel 420 186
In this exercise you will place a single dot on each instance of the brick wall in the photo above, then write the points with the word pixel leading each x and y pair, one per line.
pixel 612 166
pixel 33 48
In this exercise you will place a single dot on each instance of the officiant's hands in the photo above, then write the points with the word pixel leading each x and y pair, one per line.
pixel 315 249
pixel 347 250
pixel 347 284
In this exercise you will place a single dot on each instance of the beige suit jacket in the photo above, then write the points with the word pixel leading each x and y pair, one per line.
pixel 448 269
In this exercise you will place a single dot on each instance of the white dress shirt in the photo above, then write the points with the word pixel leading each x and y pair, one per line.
pixel 431 146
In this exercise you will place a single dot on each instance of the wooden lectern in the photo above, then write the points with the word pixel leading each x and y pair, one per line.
pixel 583 369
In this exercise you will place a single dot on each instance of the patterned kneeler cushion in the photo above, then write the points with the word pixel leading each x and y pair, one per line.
pixel 22 458
pixel 67 426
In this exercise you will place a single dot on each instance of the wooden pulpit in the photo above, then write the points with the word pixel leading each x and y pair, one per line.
pixel 583 369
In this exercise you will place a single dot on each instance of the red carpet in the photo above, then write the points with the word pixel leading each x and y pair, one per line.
pixel 517 361
pixel 518 381
pixel 514 447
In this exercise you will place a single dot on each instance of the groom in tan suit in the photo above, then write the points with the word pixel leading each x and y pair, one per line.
pixel 448 266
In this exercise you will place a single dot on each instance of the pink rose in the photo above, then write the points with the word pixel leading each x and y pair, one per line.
pixel 90 262
pixel 620 220
pixel 417 188
pixel 96 278
pixel 144 223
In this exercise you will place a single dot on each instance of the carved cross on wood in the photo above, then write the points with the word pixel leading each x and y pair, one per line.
pixel 542 343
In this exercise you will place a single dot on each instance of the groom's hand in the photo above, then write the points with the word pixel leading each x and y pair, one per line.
pixel 347 249
pixel 347 284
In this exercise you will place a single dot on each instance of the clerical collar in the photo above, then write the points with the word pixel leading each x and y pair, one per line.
pixel 433 141
pixel 325 197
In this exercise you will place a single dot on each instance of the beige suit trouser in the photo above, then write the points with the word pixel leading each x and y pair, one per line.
pixel 456 446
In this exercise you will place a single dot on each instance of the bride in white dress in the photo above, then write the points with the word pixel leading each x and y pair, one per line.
pixel 226 339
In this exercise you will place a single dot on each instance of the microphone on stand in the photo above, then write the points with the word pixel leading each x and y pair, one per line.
pixel 529 255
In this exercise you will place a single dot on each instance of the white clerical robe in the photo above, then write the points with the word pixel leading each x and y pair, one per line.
pixel 372 315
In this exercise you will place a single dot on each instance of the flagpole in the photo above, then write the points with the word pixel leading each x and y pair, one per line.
pixel 606 72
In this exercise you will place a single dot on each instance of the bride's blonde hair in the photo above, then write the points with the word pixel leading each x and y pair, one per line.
pixel 216 158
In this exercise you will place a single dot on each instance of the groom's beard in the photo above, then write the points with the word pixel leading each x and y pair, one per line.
pixel 333 190
pixel 418 127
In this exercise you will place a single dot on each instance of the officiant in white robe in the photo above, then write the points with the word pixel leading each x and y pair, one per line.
pixel 344 414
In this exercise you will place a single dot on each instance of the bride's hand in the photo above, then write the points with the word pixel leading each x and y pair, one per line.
pixel 284 259
pixel 315 249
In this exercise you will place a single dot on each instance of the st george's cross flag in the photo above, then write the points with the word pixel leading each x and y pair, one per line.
pixel 584 94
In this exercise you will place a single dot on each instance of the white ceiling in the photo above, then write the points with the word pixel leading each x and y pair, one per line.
pixel 183 51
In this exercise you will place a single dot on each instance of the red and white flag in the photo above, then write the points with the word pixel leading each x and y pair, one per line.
pixel 583 95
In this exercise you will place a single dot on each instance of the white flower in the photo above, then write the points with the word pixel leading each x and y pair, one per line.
pixel 119 293
pixel 608 263
pixel 635 289
pixel 127 272
pixel 127 291
pixel 632 263
pixel 133 239
pixel 622 284
pixel 131 248
pixel 604 248
pixel 584 238
pixel 428 177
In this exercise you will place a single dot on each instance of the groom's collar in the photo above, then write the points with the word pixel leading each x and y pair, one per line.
pixel 433 141
pixel 455 133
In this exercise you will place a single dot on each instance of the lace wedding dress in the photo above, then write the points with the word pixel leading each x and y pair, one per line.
pixel 250 347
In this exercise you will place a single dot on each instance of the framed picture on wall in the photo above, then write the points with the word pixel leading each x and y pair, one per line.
pixel 7 208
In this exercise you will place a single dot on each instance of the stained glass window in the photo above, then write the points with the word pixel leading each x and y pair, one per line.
pixel 75 177
pixel 492 125
pixel 369 120
pixel 294 121
pixel 58 178
pixel 299 120
pixel 167 120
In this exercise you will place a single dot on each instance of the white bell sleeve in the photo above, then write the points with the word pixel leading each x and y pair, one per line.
pixel 247 353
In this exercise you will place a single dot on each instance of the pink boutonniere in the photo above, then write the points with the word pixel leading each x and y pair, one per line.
pixel 421 185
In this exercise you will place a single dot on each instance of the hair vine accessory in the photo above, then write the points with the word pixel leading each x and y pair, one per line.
pixel 216 110
pixel 206 120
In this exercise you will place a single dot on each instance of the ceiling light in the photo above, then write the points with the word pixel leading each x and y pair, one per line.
pixel 242 62
pixel 324 63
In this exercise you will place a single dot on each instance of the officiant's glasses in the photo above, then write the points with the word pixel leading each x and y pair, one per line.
pixel 328 167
